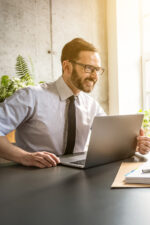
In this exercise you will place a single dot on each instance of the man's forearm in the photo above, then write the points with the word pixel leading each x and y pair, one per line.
pixel 39 159
pixel 10 152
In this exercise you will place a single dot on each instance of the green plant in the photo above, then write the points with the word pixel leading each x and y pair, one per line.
pixel 146 121
pixel 24 78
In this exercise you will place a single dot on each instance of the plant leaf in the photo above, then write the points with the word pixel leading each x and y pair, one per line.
pixel 5 80
pixel 21 67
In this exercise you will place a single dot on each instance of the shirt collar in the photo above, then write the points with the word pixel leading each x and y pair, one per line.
pixel 63 90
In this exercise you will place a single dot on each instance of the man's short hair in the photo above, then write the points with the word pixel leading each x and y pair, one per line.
pixel 72 49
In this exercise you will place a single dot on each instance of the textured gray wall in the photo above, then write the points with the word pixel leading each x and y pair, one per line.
pixel 26 29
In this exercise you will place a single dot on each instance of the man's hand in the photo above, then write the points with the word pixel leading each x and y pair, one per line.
pixel 143 143
pixel 40 159
pixel 13 153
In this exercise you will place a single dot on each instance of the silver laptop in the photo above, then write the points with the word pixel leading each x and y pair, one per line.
pixel 112 138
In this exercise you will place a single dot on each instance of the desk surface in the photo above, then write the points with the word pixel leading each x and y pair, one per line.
pixel 68 196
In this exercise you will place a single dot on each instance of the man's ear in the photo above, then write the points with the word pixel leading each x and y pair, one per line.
pixel 67 67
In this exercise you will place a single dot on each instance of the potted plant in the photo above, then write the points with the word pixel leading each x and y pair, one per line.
pixel 146 121
pixel 8 85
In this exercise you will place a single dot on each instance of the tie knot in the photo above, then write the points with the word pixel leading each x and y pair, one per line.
pixel 72 98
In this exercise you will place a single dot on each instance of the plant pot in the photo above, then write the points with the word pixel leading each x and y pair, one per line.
pixel 11 137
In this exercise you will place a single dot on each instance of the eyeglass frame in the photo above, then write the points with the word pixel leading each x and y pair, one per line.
pixel 99 70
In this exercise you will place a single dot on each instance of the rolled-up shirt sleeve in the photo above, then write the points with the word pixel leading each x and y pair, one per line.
pixel 16 109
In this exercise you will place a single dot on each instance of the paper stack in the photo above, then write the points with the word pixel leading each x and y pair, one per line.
pixel 141 175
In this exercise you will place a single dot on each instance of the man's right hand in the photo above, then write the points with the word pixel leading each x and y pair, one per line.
pixel 40 159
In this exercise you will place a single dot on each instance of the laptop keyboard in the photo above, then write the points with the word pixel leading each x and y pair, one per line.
pixel 80 162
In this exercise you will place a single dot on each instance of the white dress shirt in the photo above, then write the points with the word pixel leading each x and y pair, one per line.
pixel 39 115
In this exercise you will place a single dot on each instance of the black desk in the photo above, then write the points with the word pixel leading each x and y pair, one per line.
pixel 68 196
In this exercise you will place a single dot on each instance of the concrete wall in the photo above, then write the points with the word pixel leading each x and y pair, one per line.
pixel 25 30
pixel 34 27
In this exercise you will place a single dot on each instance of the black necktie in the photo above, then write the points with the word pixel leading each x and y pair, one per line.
pixel 71 126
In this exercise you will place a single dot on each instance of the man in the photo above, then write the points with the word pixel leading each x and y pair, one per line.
pixel 39 114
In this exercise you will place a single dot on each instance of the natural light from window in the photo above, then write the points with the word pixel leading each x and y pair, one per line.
pixel 146 52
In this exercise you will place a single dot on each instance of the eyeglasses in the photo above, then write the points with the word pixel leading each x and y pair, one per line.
pixel 89 68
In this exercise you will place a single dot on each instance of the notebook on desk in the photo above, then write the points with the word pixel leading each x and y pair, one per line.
pixel 138 175
pixel 112 138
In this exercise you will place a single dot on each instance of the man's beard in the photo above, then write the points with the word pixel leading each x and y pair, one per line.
pixel 81 84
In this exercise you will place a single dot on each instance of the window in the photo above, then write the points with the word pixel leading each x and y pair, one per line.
pixel 146 52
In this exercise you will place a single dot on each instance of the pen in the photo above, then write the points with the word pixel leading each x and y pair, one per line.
pixel 130 172
pixel 146 170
